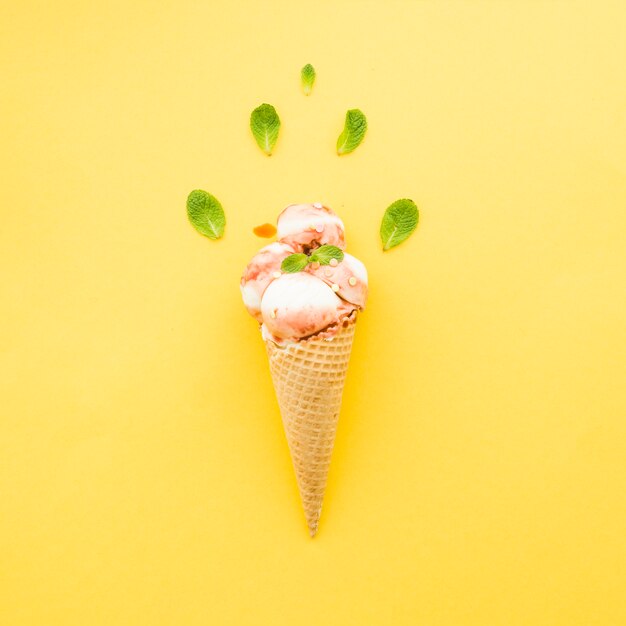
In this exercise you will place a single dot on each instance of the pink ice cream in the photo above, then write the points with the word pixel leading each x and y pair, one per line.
pixel 293 306
pixel 350 276
pixel 308 226
pixel 260 272
pixel 298 305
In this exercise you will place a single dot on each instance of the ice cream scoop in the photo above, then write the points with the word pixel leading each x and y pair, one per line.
pixel 348 279
pixel 298 305
pixel 262 269
pixel 307 226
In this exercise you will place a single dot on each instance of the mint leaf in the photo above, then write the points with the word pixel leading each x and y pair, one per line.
pixel 399 221
pixel 307 75
pixel 294 263
pixel 325 253
pixel 265 124
pixel 206 214
pixel 353 132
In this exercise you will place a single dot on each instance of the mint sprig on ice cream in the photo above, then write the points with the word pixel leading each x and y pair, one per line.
pixel 324 255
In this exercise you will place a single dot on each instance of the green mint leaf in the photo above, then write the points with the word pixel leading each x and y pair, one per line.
pixel 265 124
pixel 206 214
pixel 294 263
pixel 325 253
pixel 307 74
pixel 399 221
pixel 353 132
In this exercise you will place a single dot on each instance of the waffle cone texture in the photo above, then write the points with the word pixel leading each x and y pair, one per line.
pixel 308 378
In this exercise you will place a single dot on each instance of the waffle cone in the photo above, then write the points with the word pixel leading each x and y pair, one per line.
pixel 308 378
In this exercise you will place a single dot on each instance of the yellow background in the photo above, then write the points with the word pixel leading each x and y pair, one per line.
pixel 479 471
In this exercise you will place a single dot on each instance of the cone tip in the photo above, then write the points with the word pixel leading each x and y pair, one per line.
pixel 312 522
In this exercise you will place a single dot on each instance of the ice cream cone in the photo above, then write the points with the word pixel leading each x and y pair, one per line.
pixel 307 292
pixel 308 377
